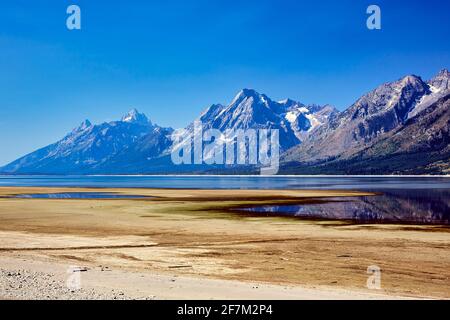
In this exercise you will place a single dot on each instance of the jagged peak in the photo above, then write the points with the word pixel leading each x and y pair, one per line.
pixel 84 125
pixel 441 82
pixel 134 116
pixel 443 73
pixel 314 108
pixel 249 93
pixel 289 103
pixel 410 79
pixel 406 81
pixel 286 101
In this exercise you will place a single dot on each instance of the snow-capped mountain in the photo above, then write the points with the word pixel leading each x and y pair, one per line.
pixel 402 126
pixel 419 146
pixel 252 110
pixel 133 116
pixel 305 119
pixel 424 138
pixel 439 87
pixel 386 108
pixel 135 145
pixel 94 148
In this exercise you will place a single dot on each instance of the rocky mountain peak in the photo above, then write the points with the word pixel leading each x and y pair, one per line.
pixel 134 116
pixel 83 126
pixel 441 81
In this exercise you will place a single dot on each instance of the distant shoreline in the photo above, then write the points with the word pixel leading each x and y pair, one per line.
pixel 225 175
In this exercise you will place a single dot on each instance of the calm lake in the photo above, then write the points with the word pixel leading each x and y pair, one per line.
pixel 421 200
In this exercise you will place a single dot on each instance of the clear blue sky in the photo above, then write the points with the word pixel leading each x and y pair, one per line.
pixel 172 58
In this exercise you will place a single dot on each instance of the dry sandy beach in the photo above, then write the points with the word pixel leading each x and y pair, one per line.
pixel 190 244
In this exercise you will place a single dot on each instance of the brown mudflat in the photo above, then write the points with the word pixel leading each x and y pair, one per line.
pixel 193 233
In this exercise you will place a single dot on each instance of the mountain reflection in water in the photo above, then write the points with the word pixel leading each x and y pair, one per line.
pixel 419 206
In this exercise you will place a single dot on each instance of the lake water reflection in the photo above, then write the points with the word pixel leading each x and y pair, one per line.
pixel 420 206
pixel 79 195
pixel 404 199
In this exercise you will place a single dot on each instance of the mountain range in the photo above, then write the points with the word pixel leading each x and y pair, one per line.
pixel 401 127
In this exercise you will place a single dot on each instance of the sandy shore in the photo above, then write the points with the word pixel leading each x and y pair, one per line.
pixel 23 278
pixel 188 244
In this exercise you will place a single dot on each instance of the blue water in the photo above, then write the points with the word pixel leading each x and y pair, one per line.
pixel 230 182
pixel 415 206
pixel 421 200
pixel 79 195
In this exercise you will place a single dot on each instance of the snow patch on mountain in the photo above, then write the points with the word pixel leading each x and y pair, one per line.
pixel 252 110
pixel 291 116
pixel 134 116
pixel 314 121
pixel 439 87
